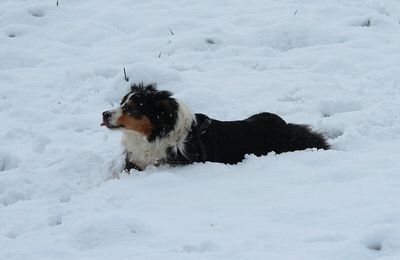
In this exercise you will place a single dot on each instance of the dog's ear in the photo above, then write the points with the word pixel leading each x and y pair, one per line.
pixel 140 87
pixel 135 87
pixel 167 106
pixel 164 104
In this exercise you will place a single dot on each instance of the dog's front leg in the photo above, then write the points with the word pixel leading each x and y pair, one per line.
pixel 129 165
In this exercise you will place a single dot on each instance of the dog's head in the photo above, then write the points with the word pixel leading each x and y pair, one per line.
pixel 144 110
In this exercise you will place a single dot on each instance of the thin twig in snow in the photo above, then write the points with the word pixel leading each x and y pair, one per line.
pixel 125 77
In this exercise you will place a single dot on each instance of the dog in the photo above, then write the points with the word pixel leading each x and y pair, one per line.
pixel 159 129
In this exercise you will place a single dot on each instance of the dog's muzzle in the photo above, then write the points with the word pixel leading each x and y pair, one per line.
pixel 109 119
pixel 106 116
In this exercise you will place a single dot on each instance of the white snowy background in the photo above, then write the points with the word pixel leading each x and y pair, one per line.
pixel 332 64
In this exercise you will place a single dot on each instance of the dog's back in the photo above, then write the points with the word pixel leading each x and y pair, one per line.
pixel 230 141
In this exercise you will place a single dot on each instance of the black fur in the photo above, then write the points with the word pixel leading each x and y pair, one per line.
pixel 229 141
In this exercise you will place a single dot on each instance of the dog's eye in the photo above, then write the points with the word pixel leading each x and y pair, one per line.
pixel 125 109
pixel 134 113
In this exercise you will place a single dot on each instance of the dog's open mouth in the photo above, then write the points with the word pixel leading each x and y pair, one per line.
pixel 110 126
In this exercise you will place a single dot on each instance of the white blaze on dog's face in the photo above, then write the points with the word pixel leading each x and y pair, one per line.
pixel 128 117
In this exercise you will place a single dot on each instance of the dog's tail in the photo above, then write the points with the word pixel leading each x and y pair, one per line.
pixel 303 137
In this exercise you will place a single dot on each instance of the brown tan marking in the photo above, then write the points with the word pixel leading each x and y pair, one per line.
pixel 142 125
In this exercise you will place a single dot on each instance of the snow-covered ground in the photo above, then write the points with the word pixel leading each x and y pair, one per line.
pixel 332 64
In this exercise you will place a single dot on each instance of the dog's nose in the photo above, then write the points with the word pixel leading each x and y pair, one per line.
pixel 106 115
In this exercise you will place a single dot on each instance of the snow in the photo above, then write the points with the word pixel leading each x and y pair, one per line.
pixel 331 64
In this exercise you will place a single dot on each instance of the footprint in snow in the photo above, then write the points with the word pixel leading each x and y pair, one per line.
pixel 54 220
pixel 8 161
pixel 13 196
pixel 382 237
pixel 36 12
pixel 331 107
pixel 12 34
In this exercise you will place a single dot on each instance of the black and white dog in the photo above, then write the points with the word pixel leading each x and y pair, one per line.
pixel 158 129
